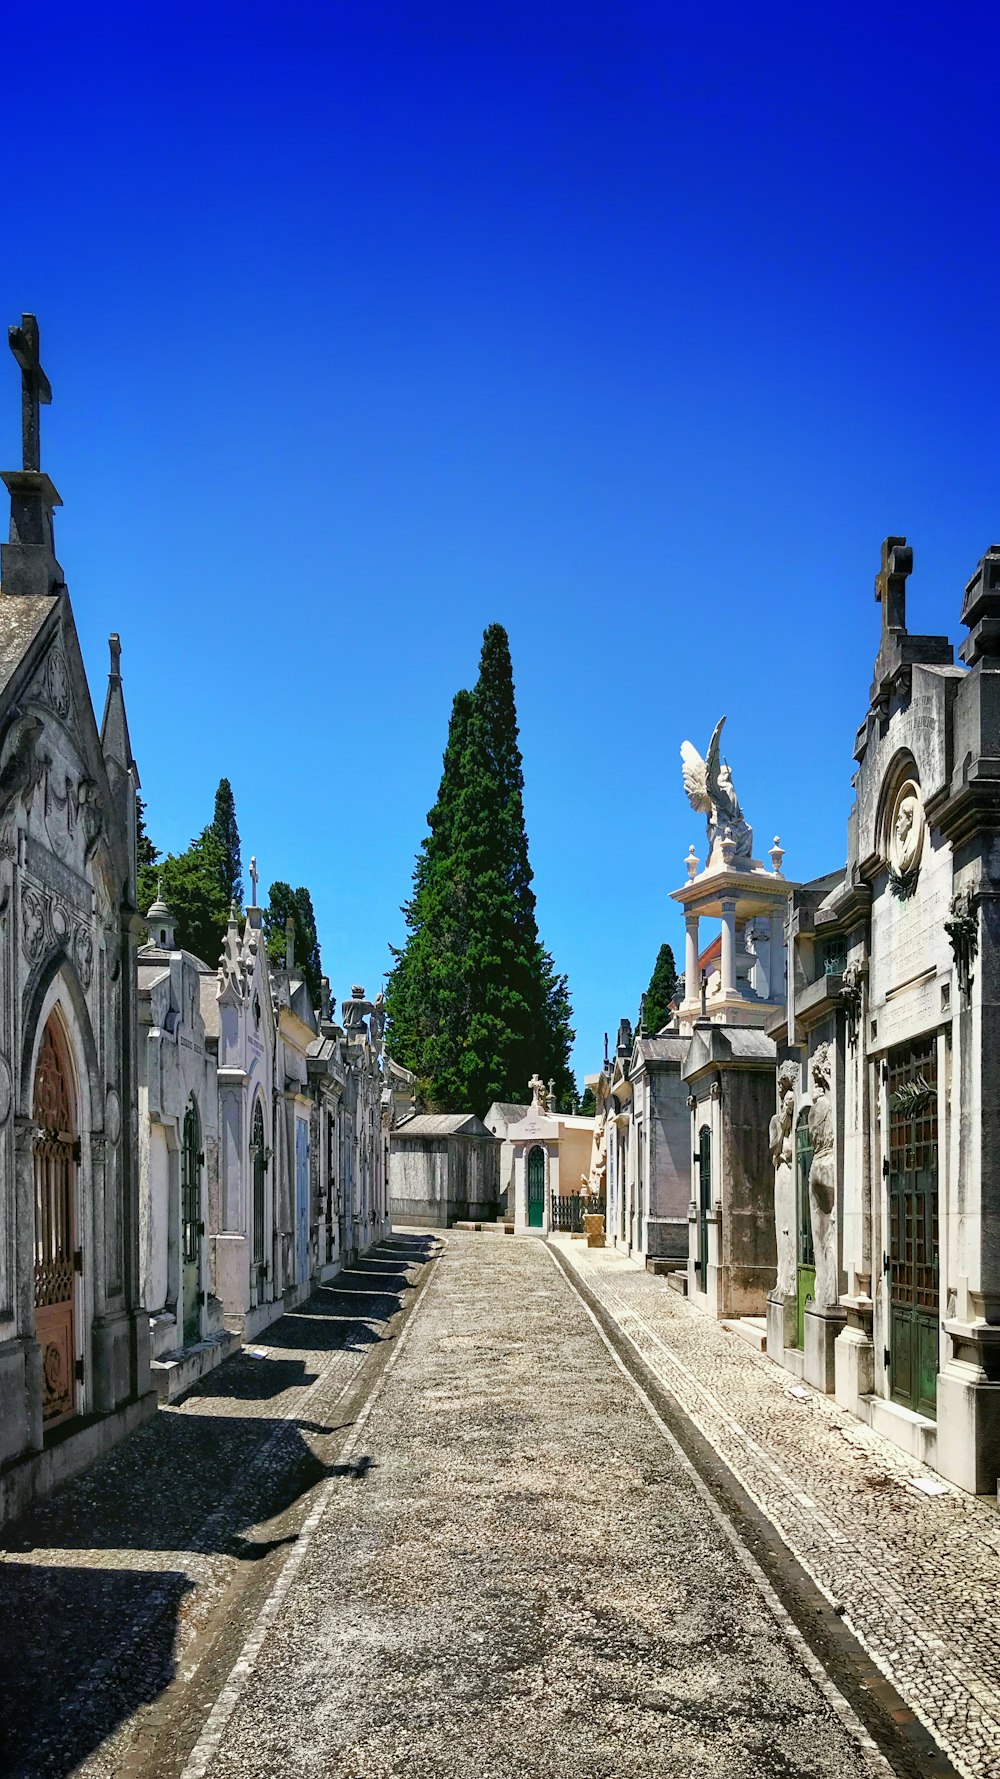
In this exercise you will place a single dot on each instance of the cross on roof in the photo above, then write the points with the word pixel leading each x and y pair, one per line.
pixel 34 387
pixel 890 583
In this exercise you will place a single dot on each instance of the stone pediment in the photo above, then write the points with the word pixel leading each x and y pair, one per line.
pixel 53 775
pixel 915 740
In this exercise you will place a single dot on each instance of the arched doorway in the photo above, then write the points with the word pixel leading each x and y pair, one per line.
pixel 192 1225
pixel 57 1258
pixel 536 1187
pixel 259 1155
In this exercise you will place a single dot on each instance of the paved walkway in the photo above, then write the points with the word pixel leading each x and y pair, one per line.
pixel 111 1591
pixel 531 1582
pixel 917 1577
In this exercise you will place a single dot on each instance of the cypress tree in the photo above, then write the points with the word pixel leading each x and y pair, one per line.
pixel 283 902
pixel 228 836
pixel 661 991
pixel 474 1001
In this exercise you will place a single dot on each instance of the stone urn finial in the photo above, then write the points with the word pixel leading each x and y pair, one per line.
pixel 692 863
pixel 776 855
pixel 727 847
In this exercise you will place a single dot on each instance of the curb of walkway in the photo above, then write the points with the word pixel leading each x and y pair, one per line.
pixel 899 1734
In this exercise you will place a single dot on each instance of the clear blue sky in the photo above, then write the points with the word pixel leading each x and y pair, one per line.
pixel 632 327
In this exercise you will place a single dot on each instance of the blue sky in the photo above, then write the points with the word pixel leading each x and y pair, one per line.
pixel 634 328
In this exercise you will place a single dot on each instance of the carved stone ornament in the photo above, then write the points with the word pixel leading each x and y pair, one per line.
pixel 57 680
pixel 83 953
pixel 963 931
pixel 907 825
pixel 5 1091
pixel 112 1117
pixel 851 996
pixel 32 924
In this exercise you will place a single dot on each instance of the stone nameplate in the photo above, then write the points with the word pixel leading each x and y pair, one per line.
pixel 54 875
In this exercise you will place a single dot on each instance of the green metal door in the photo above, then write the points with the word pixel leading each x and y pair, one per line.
pixel 806 1271
pixel 536 1187
pixel 704 1159
pixel 192 1228
pixel 912 1261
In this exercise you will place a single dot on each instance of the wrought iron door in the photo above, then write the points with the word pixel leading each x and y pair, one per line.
pixel 258 1153
pixel 536 1187
pixel 912 1261
pixel 704 1160
pixel 301 1201
pixel 56 1157
pixel 804 1252
pixel 192 1226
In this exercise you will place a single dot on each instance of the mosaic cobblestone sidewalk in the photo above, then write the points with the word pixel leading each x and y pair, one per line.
pixel 106 1589
pixel 917 1577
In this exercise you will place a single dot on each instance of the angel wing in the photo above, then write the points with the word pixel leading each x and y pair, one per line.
pixel 718 795
pixel 695 778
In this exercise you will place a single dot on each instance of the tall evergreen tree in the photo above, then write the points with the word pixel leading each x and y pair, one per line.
pixel 473 1000
pixel 284 902
pixel 661 991
pixel 146 857
pixel 228 836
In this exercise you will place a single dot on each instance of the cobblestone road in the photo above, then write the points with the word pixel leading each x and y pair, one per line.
pixel 530 1579
pixel 436 1530
pixel 917 1577
pixel 132 1580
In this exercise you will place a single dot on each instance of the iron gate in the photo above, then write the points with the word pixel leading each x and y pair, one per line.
pixel 912 1261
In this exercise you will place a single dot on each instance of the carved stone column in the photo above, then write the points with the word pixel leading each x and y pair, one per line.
pixel 728 947
pixel 691 958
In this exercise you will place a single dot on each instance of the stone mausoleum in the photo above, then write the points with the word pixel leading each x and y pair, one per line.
pixel 884 1139
pixel 74 1342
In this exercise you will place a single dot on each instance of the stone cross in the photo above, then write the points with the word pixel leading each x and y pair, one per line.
pixel 254 874
pixel 34 387
pixel 537 1086
pixel 890 584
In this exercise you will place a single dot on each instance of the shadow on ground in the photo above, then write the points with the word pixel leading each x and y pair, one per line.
pixel 85 1643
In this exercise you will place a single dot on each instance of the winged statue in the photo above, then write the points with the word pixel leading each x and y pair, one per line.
pixel 709 787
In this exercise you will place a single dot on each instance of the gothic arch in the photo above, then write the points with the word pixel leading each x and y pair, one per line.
pixel 56 986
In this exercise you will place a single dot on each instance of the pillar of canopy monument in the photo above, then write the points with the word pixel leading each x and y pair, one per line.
pixel 730 1064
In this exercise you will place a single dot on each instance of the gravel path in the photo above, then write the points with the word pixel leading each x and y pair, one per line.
pixel 520 1574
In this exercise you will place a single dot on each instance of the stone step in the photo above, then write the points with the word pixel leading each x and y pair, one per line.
pixel 656 1263
pixel 678 1281
pixel 752 1329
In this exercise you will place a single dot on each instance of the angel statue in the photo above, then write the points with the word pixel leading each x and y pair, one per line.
pixel 710 790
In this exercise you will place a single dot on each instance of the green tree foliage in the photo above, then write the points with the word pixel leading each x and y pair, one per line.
pixel 228 836
pixel 192 884
pixel 662 988
pixel 146 858
pixel 284 902
pixel 474 1002
pixel 588 1104
pixel 192 888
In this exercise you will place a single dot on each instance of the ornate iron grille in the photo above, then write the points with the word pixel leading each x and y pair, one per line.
pixel 259 1170
pixel 56 1153
pixel 913 1196
pixel 191 1185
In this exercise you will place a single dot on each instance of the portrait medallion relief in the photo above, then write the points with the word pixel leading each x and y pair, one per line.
pixel 907 824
